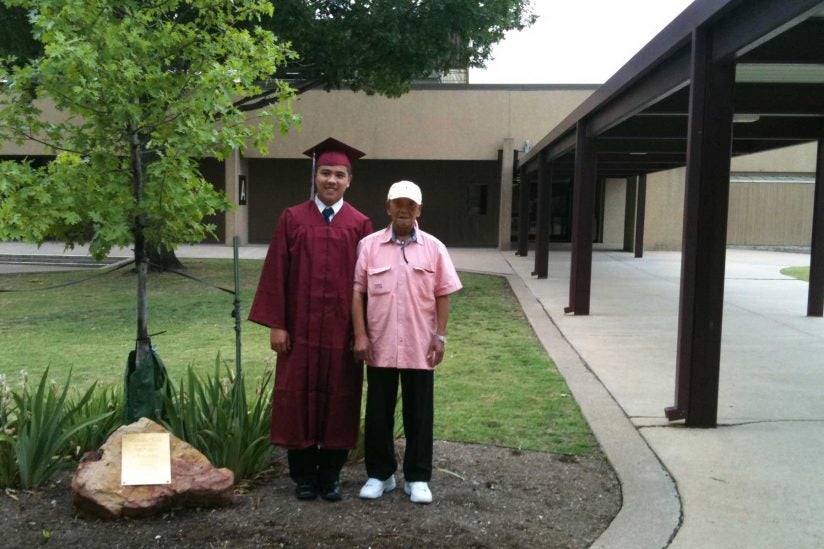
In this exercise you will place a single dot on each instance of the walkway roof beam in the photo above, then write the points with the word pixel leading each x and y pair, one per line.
pixel 657 71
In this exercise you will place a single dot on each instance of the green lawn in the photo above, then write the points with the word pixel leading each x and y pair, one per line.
pixel 90 327
pixel 801 273
pixel 495 386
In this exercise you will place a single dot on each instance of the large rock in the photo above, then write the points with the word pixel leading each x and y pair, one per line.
pixel 96 488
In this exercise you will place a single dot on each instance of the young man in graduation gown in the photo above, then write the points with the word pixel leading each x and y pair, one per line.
pixel 305 297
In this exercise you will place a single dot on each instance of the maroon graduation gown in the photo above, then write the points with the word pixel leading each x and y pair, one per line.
pixel 306 288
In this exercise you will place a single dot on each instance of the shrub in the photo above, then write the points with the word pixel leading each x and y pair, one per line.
pixel 212 416
pixel 42 428
pixel 106 403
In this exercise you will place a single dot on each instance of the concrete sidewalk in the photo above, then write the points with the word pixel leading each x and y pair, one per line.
pixel 756 480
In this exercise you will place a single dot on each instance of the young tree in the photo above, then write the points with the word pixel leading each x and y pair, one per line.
pixel 141 90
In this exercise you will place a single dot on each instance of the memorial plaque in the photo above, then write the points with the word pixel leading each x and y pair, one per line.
pixel 146 459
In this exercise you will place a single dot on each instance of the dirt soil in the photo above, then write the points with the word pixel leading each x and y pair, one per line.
pixel 483 497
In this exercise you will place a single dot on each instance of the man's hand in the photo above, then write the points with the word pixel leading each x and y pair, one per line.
pixel 434 355
pixel 279 341
pixel 363 348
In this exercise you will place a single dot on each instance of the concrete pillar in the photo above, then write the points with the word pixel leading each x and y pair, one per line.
pixel 237 190
pixel 542 229
pixel 815 296
pixel 629 214
pixel 505 211
pixel 640 215
pixel 523 213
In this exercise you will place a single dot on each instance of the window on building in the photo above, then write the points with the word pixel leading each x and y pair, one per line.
pixel 477 198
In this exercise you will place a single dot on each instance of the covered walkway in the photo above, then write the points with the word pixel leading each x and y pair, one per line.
pixel 725 78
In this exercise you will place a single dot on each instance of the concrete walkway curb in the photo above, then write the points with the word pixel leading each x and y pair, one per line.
pixel 651 508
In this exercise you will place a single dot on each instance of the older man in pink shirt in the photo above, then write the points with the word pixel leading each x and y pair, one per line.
pixel 400 331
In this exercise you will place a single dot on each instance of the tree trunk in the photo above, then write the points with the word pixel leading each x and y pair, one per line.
pixel 143 345
pixel 163 259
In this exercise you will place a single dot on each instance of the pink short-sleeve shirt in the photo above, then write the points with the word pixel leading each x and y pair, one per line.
pixel 401 285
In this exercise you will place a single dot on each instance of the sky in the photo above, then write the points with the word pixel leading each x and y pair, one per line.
pixel 577 41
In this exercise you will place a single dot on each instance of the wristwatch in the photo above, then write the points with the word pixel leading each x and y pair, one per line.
pixel 440 338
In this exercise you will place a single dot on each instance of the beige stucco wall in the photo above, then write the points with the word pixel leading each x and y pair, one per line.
pixel 444 123
pixel 664 210
pixel 26 148
pixel 33 148
pixel 777 214
pixel 460 123
pixel 615 193
pixel 797 158
pixel 759 213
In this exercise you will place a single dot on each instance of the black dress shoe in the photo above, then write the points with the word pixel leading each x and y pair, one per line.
pixel 306 491
pixel 331 492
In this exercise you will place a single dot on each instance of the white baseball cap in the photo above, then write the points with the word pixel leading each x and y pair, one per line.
pixel 405 189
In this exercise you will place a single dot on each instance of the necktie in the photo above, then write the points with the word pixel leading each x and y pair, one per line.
pixel 327 214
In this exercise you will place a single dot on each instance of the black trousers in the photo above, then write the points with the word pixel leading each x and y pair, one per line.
pixel 316 465
pixel 417 388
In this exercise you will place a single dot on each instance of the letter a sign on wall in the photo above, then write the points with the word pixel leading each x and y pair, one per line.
pixel 242 190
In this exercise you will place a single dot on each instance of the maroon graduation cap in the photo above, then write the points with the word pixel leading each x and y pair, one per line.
pixel 331 152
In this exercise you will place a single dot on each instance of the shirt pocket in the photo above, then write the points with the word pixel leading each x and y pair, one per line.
pixel 424 282
pixel 379 280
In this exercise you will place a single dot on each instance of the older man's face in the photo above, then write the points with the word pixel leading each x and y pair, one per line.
pixel 403 212
pixel 331 182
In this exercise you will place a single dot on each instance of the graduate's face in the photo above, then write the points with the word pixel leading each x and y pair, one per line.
pixel 331 182
pixel 403 213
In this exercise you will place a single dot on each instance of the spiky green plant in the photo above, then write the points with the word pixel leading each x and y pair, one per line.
pixel 43 426
pixel 212 415
pixel 105 403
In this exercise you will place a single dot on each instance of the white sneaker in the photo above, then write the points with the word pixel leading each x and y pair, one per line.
pixel 418 492
pixel 374 488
